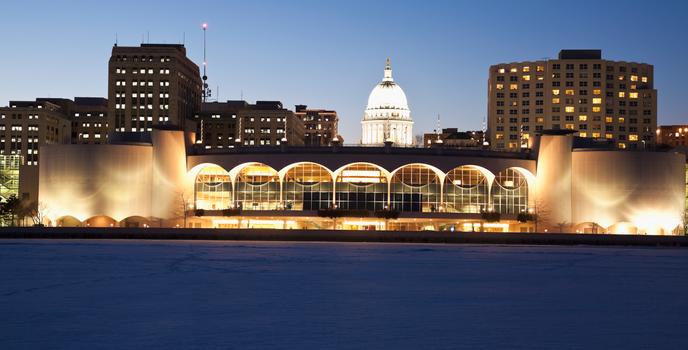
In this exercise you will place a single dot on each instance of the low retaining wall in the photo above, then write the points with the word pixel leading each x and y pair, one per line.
pixel 340 236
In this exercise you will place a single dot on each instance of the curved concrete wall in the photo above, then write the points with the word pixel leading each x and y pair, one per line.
pixel 169 173
pixel 90 180
pixel 553 191
pixel 646 189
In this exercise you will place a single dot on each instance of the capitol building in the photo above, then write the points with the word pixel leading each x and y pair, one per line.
pixel 387 116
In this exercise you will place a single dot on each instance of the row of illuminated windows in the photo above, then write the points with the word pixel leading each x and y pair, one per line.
pixel 141 83
pixel 556 75
pixel 142 71
pixel 568 66
pixel 125 58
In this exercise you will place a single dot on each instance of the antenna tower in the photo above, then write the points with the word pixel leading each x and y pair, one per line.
pixel 206 90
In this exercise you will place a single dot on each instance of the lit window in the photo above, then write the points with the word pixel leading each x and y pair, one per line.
pixel 555 92
pixel 513 87
pixel 609 119
pixel 632 137
pixel 596 109
pixel 500 86
pixel 634 78
pixel 608 136
pixel 622 120
pixel 597 100
pixel 526 69
pixel 526 77
pixel 622 94
pixel 622 145
pixel 513 70
pixel 570 109
pixel 644 79
pixel 555 100
pixel 582 118
pixel 596 92
pixel 633 94
pixel 596 135
pixel 570 92
pixel 540 68
pixel 583 134
pixel 570 126
pixel 501 70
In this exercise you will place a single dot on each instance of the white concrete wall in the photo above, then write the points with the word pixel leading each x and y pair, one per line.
pixel 552 200
pixel 91 180
pixel 646 189
pixel 169 174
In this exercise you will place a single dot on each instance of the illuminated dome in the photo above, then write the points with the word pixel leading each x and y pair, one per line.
pixel 387 116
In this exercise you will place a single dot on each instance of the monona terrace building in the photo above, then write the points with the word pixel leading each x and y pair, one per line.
pixel 563 184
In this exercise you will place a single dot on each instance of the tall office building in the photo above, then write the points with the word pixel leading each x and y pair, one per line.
pixel 320 125
pixel 25 126
pixel 599 99
pixel 152 84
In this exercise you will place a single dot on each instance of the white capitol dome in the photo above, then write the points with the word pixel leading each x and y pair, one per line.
pixel 387 116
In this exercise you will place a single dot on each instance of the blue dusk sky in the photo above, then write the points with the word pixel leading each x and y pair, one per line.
pixel 329 54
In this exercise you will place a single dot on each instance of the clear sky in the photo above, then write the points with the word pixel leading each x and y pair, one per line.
pixel 329 54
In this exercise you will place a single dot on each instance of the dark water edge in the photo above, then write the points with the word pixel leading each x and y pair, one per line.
pixel 341 236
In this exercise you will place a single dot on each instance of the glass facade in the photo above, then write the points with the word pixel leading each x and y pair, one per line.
pixel 361 186
pixel 9 176
pixel 213 188
pixel 415 188
pixel 257 188
pixel 510 192
pixel 465 190
pixel 307 186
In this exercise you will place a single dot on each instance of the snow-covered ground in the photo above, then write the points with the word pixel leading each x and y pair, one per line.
pixel 92 294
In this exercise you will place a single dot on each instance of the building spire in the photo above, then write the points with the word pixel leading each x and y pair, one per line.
pixel 388 71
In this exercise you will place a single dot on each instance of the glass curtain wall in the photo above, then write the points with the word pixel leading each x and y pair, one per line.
pixel 257 188
pixel 361 187
pixel 415 188
pixel 213 188
pixel 465 190
pixel 307 186
pixel 510 192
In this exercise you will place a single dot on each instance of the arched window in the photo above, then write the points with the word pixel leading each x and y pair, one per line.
pixel 213 189
pixel 465 190
pixel 415 188
pixel 257 188
pixel 361 186
pixel 307 186
pixel 510 192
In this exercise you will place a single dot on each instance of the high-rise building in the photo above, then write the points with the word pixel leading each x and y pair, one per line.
pixel 152 84
pixel 238 123
pixel 599 99
pixel 320 125
pixel 25 126
pixel 387 116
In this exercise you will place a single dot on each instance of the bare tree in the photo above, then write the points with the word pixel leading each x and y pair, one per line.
pixel 540 213
pixel 184 205
pixel 38 213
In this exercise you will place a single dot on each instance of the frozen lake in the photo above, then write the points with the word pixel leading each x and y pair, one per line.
pixel 88 294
